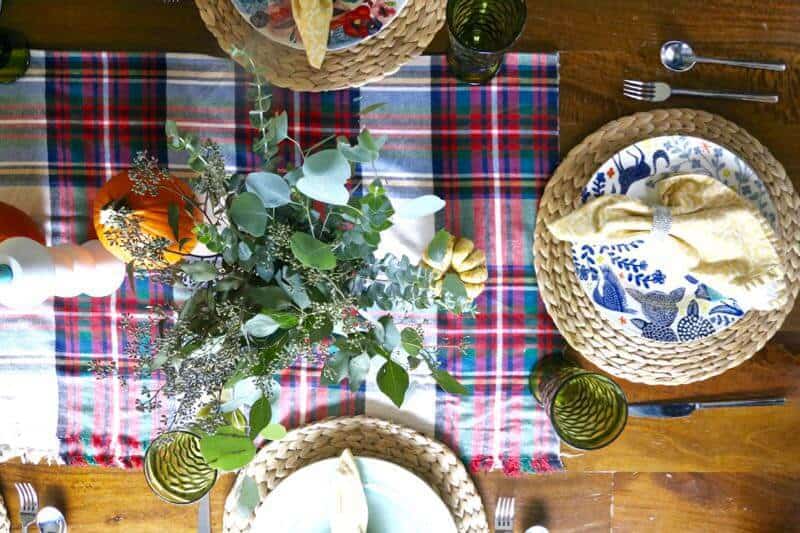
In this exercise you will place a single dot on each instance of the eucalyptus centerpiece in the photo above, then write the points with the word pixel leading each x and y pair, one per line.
pixel 289 272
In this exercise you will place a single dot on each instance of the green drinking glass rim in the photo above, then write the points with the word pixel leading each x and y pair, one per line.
pixel 7 39
pixel 617 389
pixel 518 34
pixel 147 476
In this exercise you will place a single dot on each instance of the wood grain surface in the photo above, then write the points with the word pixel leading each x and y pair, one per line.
pixel 726 470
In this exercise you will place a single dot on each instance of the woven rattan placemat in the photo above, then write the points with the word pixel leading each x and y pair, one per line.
pixel 382 54
pixel 601 342
pixel 427 458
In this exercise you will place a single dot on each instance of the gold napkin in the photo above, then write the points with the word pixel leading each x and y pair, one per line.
pixel 351 513
pixel 706 229
pixel 313 21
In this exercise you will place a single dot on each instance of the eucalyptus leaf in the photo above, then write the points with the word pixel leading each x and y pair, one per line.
pixel 261 326
pixel 369 142
pixel 273 432
pixel 437 249
pixel 285 320
pixel 174 220
pixel 420 206
pixel 324 190
pixel 393 382
pixel 270 297
pixel 311 252
pixel 228 449
pixel 200 271
pixel 448 383
pixel 260 416
pixel 281 122
pixel 249 497
pixel 239 393
pixel 328 164
pixel 357 154
pixel 270 188
pixel 454 286
pixel 245 253
pixel 411 341
pixel 358 369
pixel 171 128
pixel 292 284
pixel 391 335
pixel 324 176
pixel 248 213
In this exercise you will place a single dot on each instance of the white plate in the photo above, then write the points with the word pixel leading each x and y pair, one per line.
pixel 399 501
pixel 630 284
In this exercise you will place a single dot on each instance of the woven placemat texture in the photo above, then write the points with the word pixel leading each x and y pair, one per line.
pixel 382 54
pixel 601 342
pixel 365 436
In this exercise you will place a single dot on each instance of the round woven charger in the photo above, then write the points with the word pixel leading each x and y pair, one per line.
pixel 372 437
pixel 404 38
pixel 633 357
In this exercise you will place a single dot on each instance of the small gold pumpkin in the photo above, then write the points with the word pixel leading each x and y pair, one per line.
pixel 462 258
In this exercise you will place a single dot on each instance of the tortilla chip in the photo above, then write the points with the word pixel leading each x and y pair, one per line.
pixel 313 20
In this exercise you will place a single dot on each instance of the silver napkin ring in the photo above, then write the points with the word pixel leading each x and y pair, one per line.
pixel 662 222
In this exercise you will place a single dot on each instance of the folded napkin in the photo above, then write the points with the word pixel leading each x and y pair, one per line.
pixel 350 513
pixel 704 228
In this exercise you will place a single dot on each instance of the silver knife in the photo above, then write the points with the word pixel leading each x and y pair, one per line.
pixel 680 409
pixel 204 515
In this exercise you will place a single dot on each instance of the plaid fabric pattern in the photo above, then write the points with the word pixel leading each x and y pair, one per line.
pixel 78 118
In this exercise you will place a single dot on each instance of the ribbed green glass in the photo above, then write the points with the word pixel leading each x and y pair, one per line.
pixel 175 468
pixel 480 31
pixel 588 410
pixel 14 56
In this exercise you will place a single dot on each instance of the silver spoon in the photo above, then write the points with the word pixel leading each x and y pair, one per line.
pixel 678 56
pixel 50 520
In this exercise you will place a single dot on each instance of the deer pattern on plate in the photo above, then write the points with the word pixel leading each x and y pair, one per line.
pixel 639 170
pixel 661 309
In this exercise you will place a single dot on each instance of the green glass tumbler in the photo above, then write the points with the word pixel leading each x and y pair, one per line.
pixel 588 410
pixel 14 56
pixel 480 33
pixel 175 469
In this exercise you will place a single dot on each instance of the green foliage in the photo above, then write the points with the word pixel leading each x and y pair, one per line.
pixel 228 449
pixel 248 213
pixel 438 245
pixel 393 381
pixel 289 280
pixel 311 252
pixel 260 416
pixel 270 188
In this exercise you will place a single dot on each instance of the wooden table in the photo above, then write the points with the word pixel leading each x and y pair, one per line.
pixel 734 470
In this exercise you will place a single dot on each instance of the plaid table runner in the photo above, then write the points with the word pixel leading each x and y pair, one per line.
pixel 77 118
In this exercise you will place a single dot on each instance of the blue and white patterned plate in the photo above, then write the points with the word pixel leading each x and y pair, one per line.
pixel 632 284
pixel 353 20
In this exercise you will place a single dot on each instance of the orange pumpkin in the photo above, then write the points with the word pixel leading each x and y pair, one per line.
pixel 17 223
pixel 152 212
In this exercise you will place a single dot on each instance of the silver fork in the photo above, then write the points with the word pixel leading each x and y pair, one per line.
pixel 28 505
pixel 654 91
pixel 504 515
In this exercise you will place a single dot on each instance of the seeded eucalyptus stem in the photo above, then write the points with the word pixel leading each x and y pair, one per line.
pixel 281 288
